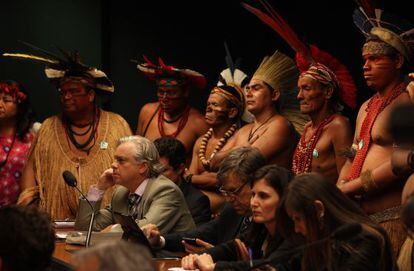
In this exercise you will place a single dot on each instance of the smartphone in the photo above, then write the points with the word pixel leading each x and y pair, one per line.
pixel 191 241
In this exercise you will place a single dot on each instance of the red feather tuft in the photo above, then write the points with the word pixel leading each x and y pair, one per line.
pixel 278 24
pixel 368 6
pixel 148 61
pixel 164 66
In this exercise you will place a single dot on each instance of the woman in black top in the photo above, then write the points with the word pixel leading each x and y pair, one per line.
pixel 262 239
pixel 316 208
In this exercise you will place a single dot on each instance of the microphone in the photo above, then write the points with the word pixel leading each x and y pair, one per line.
pixel 342 233
pixel 71 181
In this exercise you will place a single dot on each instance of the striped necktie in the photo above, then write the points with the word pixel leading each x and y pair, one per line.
pixel 133 201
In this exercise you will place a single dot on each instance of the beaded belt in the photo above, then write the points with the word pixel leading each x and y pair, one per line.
pixel 388 214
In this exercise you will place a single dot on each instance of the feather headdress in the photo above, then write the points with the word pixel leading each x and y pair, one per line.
pixel 169 75
pixel 59 68
pixel 306 55
pixel 232 80
pixel 394 31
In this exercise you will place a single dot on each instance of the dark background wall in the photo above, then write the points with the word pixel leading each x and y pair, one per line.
pixel 188 34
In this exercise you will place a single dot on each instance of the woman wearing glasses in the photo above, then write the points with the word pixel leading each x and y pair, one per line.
pixel 262 240
pixel 316 208
pixel 16 118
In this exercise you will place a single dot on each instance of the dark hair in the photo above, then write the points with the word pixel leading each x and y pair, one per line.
pixel 117 255
pixel 27 238
pixel 172 149
pixel 275 176
pixel 25 115
pixel 243 162
pixel 339 210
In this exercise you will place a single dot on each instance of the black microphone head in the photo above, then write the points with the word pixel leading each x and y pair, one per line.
pixel 346 231
pixel 69 178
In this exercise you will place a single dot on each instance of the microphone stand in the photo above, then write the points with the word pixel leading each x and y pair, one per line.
pixel 89 233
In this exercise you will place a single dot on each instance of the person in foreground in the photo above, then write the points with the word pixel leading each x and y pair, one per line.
pixel 27 239
pixel 314 207
pixel 115 255
pixel 262 238
pixel 142 193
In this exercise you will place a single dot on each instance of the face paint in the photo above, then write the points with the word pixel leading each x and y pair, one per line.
pixel 217 111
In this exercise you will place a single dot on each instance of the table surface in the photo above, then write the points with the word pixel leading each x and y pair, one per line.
pixel 65 252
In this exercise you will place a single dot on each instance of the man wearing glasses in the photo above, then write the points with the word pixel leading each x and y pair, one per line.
pixel 234 177
pixel 81 139
pixel 172 115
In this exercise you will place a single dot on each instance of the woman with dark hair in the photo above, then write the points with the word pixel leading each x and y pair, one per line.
pixel 16 119
pixel 262 239
pixel 315 208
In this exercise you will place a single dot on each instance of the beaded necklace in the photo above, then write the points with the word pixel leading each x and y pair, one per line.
pixel 202 152
pixel 305 150
pixel 92 137
pixel 375 106
pixel 183 121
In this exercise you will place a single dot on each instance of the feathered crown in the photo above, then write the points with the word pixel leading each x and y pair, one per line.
pixel 390 29
pixel 69 66
pixel 234 80
pixel 171 76
pixel 279 71
pixel 306 55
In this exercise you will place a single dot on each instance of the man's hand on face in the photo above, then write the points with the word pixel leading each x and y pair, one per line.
pixel 106 180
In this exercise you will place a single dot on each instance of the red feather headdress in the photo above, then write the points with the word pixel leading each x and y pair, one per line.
pixel 306 55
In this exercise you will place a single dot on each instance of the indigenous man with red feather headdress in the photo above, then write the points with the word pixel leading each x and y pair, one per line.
pixel 172 115
pixel 323 83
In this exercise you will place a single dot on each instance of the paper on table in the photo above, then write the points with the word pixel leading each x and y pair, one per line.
pixel 61 235
pixel 64 224
pixel 180 269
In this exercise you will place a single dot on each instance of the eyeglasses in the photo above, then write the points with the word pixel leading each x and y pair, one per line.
pixel 72 93
pixel 234 193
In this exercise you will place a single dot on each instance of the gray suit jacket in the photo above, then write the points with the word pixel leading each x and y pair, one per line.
pixel 162 204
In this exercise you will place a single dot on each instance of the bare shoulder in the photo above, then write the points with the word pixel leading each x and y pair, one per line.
pixel 403 98
pixel 279 122
pixel 195 114
pixel 148 108
pixel 197 122
pixel 339 122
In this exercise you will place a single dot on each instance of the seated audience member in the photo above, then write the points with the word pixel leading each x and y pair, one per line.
pixel 315 208
pixel 142 193
pixel 234 176
pixel 271 132
pixel 27 239
pixel 268 185
pixel 172 157
pixel 16 119
pixel 116 255
pixel 224 114
pixel 172 115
